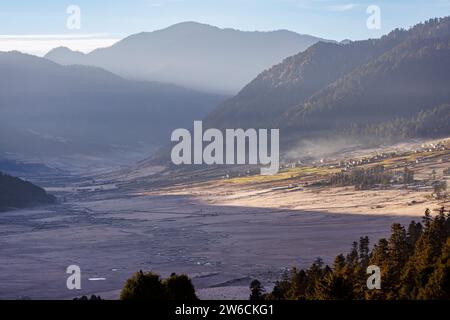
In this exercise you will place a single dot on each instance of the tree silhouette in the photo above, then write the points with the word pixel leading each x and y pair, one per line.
pixel 414 264
pixel 256 290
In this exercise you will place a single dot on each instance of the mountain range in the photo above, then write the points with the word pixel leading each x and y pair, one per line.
pixel 47 109
pixel 357 89
pixel 394 87
pixel 193 55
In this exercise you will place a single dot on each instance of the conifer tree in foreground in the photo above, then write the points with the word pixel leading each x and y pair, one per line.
pixel 414 264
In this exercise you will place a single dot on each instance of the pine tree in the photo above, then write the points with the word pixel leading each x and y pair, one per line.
pixel 299 284
pixel 179 288
pixel 397 258
pixel 352 258
pixel 364 251
pixel 143 286
pixel 339 265
pixel 379 257
pixel 438 286
pixel 334 287
pixel 413 234
pixel 256 291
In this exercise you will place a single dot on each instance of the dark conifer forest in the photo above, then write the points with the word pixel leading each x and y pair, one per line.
pixel 17 193
pixel 414 263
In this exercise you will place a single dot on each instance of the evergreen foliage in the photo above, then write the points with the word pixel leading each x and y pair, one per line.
pixel 414 263
pixel 367 178
pixel 17 193
pixel 149 286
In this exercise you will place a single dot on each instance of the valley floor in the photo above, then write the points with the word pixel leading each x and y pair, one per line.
pixel 222 232
pixel 217 245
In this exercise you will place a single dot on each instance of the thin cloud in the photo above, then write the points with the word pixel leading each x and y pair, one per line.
pixel 55 36
pixel 40 44
pixel 342 7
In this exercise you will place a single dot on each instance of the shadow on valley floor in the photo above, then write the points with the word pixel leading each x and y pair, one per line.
pixel 218 246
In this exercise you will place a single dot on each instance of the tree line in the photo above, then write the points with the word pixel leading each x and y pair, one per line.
pixel 414 263
pixel 367 178
pixel 431 123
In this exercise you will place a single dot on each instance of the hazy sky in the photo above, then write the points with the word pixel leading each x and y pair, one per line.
pixel 37 26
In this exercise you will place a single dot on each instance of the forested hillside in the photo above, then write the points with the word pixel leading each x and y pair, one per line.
pixel 396 86
pixel 17 193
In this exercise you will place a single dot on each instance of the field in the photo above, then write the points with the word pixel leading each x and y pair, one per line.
pixel 299 187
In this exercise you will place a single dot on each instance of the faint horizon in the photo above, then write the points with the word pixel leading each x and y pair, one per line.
pixel 328 19
pixel 41 44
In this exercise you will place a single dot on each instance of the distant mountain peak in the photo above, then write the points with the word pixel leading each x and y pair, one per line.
pixel 332 86
pixel 61 49
pixel 191 25
pixel 61 54
pixel 345 41
pixel 193 55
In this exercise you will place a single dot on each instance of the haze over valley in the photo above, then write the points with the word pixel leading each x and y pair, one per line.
pixel 193 55
pixel 86 176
